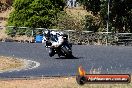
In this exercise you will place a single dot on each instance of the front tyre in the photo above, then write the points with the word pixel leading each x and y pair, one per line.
pixel 51 52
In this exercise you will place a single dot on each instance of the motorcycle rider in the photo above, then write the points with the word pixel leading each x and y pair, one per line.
pixel 52 39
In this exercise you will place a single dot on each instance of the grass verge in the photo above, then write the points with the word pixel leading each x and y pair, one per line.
pixel 8 63
pixel 57 82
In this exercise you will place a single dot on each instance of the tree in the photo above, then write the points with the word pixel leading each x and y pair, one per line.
pixel 35 13
pixel 91 23
pixel 120 15
pixel 91 5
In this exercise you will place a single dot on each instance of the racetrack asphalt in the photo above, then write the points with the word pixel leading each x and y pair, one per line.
pixel 105 59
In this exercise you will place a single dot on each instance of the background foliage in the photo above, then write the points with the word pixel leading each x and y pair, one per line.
pixel 35 13
pixel 120 18
pixel 51 14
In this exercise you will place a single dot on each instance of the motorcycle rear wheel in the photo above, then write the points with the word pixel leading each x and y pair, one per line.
pixel 67 52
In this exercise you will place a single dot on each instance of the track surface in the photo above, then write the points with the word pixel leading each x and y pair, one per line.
pixel 107 59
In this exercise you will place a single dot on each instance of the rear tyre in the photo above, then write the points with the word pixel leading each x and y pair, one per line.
pixel 67 52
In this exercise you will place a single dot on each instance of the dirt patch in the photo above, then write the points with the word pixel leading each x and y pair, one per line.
pixel 3 35
pixel 77 13
pixel 3 22
pixel 8 63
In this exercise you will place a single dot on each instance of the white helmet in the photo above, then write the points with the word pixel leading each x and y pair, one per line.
pixel 47 33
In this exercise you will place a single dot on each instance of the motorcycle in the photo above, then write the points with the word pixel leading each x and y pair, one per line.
pixel 65 49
